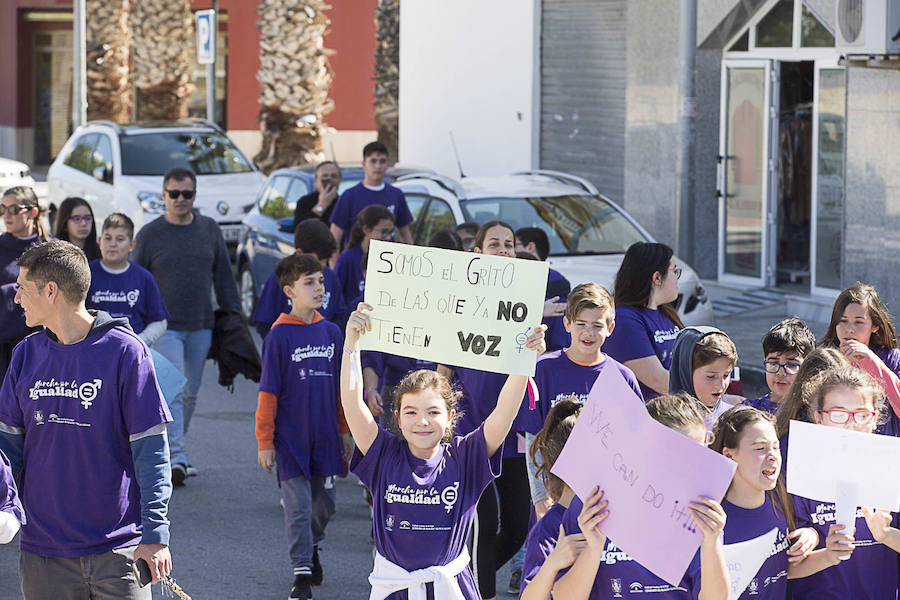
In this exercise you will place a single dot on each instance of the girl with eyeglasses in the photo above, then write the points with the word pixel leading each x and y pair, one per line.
pixel 646 320
pixel 75 224
pixel 849 398
pixel 22 217
pixel 862 330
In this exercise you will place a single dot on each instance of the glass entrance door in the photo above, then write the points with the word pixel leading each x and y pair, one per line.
pixel 746 171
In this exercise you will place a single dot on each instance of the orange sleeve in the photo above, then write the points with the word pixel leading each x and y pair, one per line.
pixel 342 420
pixel 266 409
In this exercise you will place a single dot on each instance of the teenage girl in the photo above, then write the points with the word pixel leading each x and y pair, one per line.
pixel 603 571
pixel 862 330
pixel 849 398
pixel 75 224
pixel 501 523
pixel 375 222
pixel 426 482
pixel 756 502
pixel 548 549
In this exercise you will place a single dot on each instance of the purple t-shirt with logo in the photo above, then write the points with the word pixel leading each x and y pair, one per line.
pixel 349 272
pixel 478 400
pixel 764 404
pixel 620 576
pixel 557 377
pixel 9 495
pixel 642 332
pixel 744 524
pixel 133 294
pixel 541 541
pixel 301 366
pixel 356 198
pixel 871 572
pixel 423 509
pixel 78 404
pixel 272 301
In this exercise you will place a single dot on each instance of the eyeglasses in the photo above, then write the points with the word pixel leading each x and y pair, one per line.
pixel 173 194
pixel 79 219
pixel 839 416
pixel 789 368
pixel 13 209
pixel 677 271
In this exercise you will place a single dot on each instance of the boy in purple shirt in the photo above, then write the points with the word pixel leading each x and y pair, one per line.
pixel 372 190
pixel 311 236
pixel 298 423
pixel 80 410
pixel 11 514
pixel 785 345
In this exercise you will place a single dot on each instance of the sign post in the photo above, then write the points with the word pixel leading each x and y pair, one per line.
pixel 206 55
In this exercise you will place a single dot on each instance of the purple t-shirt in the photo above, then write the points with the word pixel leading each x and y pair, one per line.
pixel 642 332
pixel 744 524
pixel 133 294
pixel 478 400
pixel 356 198
pixel 272 301
pixel 620 576
pixel 871 572
pixel 9 495
pixel 78 404
pixel 301 366
pixel 557 377
pixel 541 541
pixel 349 272
pixel 423 509
pixel 764 404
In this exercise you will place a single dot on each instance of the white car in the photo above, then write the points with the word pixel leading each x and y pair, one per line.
pixel 119 168
pixel 588 233
pixel 14 173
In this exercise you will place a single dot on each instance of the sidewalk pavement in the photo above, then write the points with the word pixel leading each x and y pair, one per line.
pixel 746 329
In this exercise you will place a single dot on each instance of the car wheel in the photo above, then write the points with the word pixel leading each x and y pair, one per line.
pixel 247 292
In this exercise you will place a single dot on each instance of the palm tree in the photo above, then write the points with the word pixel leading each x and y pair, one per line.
pixel 294 77
pixel 108 54
pixel 163 38
pixel 387 72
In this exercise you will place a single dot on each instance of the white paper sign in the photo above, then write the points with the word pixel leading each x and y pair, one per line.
pixel 744 560
pixel 820 459
pixel 454 308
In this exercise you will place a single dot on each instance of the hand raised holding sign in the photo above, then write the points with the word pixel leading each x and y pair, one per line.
pixel 358 324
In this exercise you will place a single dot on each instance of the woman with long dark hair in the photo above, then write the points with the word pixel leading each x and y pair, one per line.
pixel 646 321
pixel 75 224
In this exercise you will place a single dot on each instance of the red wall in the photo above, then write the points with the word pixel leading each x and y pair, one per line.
pixel 351 35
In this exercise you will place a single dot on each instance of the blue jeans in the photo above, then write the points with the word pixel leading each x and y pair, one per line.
pixel 308 504
pixel 187 350
pixel 171 384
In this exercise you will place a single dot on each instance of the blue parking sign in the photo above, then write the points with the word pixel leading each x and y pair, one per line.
pixel 206 36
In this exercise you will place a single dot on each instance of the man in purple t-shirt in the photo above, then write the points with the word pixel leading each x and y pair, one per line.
pixel 83 423
pixel 372 190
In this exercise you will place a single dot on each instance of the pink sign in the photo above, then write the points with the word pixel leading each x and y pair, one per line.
pixel 649 474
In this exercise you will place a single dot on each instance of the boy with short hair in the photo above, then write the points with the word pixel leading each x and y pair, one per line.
pixel 371 190
pixel 299 424
pixel 571 373
pixel 124 289
pixel 785 346
pixel 467 232
pixel 311 236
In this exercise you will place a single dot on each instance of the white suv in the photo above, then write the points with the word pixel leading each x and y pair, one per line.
pixel 588 233
pixel 119 168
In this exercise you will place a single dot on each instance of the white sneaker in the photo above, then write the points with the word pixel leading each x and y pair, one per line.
pixel 192 471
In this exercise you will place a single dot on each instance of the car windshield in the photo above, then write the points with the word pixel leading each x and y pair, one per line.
pixel 205 152
pixel 574 224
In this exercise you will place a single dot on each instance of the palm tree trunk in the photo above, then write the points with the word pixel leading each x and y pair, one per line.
pixel 387 73
pixel 294 78
pixel 108 55
pixel 163 37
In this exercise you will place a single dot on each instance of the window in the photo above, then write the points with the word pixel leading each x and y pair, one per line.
pixel 775 30
pixel 205 152
pixel 415 204
pixel 438 216
pixel 813 34
pixel 297 190
pixel 102 157
pixel 80 156
pixel 273 202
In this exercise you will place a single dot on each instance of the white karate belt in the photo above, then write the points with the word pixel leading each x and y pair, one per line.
pixel 387 578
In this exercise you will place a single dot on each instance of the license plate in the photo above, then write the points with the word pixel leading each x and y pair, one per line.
pixel 231 233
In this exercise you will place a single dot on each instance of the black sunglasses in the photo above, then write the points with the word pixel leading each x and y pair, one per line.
pixel 188 194
pixel 13 209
